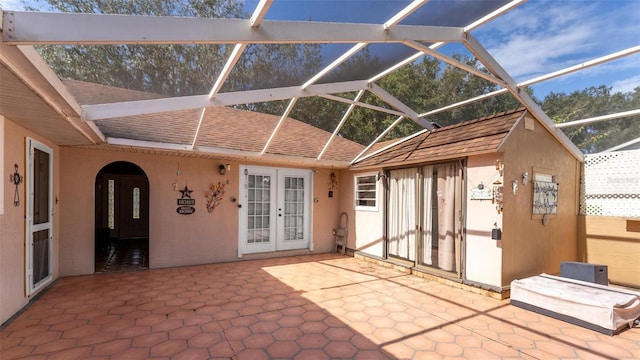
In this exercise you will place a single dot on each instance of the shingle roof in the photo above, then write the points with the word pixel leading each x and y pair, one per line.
pixel 223 127
pixel 477 136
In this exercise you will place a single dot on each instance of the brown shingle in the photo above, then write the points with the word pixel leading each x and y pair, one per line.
pixel 475 136
pixel 222 127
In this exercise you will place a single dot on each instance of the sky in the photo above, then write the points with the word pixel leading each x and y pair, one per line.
pixel 543 36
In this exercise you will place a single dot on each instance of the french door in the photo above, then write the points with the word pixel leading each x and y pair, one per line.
pixel 39 204
pixel 275 211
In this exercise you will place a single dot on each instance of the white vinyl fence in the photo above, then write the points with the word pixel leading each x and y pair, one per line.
pixel 611 184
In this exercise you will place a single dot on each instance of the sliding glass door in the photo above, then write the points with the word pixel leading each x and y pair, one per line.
pixel 422 219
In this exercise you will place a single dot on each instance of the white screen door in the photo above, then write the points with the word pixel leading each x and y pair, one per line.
pixel 39 229
pixel 274 209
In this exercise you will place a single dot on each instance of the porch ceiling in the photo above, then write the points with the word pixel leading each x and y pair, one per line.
pixel 396 32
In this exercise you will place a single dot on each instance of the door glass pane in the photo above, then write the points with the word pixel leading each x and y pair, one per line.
pixel 136 203
pixel 111 203
pixel 258 190
pixel 402 214
pixel 40 256
pixel 293 208
pixel 40 187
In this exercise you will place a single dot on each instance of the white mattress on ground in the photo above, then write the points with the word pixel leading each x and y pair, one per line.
pixel 606 307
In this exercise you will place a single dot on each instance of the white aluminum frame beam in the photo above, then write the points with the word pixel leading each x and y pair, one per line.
pixel 495 68
pixel 391 100
pixel 398 17
pixel 466 29
pixel 236 53
pixel 341 124
pixel 555 74
pixel 41 28
pixel 449 60
pixel 383 134
pixel 260 12
pixel 599 118
pixel 30 68
pixel 621 146
pixel 196 135
pixel 342 58
pixel 494 14
pixel 224 152
pixel 284 116
pixel 142 107
pixel 361 104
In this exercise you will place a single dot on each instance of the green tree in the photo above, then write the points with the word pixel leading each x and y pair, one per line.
pixel 592 102
pixel 175 70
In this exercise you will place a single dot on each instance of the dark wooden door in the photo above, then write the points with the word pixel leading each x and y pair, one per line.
pixel 123 206
pixel 133 207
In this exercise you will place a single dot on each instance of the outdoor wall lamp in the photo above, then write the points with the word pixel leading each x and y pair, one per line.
pixel 223 169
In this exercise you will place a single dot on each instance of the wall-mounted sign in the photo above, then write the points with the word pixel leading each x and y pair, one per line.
pixel 186 203
pixel 481 194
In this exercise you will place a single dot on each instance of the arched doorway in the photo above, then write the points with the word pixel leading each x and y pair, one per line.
pixel 121 218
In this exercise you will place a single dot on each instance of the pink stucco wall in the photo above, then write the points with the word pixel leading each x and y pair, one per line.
pixel 12 223
pixel 174 240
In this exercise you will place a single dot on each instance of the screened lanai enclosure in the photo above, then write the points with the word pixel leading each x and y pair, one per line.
pixel 337 65
pixel 256 123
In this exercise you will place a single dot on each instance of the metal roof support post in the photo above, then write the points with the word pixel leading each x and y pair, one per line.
pixel 342 121
pixel 495 68
pixel 286 113
pixel 391 100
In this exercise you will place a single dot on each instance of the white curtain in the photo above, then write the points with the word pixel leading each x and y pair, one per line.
pixel 402 213
pixel 427 215
pixel 446 216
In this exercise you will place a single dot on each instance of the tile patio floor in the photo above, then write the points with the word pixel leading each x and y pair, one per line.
pixel 323 306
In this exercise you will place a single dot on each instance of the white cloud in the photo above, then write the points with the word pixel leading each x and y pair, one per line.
pixel 11 4
pixel 540 37
pixel 626 85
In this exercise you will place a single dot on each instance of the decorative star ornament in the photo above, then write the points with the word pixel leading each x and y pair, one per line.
pixel 186 193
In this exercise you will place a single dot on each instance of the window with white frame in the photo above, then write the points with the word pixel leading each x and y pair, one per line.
pixel 366 187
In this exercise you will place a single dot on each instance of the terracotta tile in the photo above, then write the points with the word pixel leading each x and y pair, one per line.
pixel 340 349
pixel 311 355
pixel 283 349
pixel 96 338
pixel 16 352
pixel 258 341
pixel 312 341
pixel 131 354
pixel 191 354
pixel 79 353
pixel 252 354
pixel 43 338
pixel 320 306
pixel 204 340
pixel 54 346
pixel 184 332
pixel 149 340
pixel 112 347
pixel 168 348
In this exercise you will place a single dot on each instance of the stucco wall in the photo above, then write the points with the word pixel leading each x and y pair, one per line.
pixel 612 241
pixel 483 254
pixel 174 240
pixel 528 246
pixel 12 223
